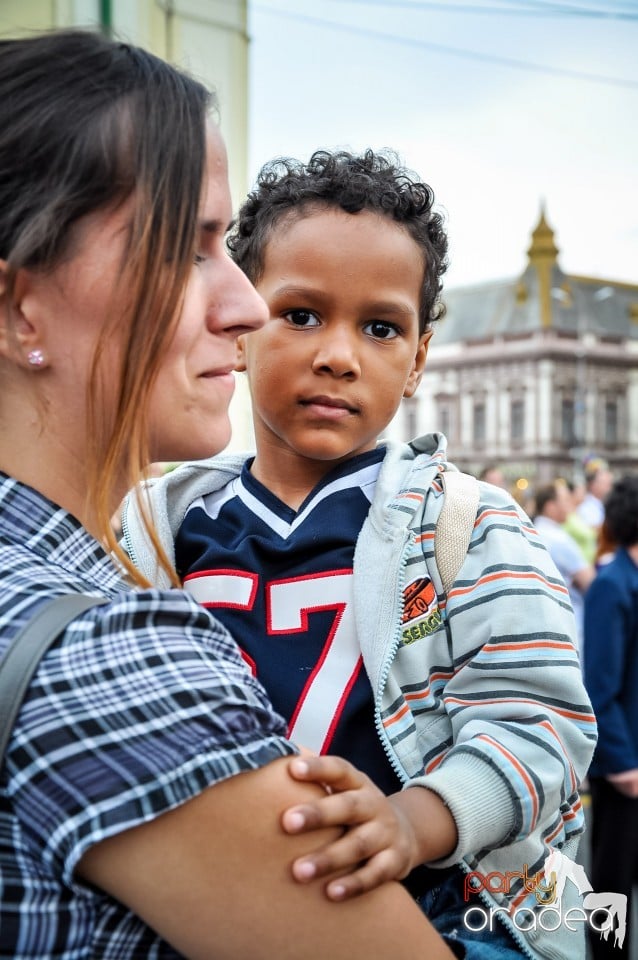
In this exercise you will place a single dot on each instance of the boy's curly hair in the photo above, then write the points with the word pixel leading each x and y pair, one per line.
pixel 286 188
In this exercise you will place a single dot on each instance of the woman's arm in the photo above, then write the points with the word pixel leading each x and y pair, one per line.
pixel 213 877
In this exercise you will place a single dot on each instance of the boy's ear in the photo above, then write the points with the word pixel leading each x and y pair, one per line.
pixel 240 350
pixel 414 378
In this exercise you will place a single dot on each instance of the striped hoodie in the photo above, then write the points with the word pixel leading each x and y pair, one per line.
pixel 478 693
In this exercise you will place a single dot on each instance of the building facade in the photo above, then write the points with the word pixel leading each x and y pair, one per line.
pixel 533 373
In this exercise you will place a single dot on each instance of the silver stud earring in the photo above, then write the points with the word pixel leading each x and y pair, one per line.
pixel 35 358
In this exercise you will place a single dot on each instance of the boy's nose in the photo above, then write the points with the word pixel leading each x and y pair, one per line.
pixel 337 354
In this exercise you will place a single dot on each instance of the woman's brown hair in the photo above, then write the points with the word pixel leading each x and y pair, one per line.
pixel 87 123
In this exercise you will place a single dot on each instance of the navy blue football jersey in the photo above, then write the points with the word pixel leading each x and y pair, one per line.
pixel 281 581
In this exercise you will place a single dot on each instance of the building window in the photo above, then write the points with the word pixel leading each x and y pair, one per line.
pixel 479 424
pixel 611 423
pixel 568 422
pixel 444 416
pixel 444 420
pixel 517 422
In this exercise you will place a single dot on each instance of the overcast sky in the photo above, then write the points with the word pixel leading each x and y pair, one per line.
pixel 498 105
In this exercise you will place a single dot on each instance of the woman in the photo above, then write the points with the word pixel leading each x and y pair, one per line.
pixel 146 775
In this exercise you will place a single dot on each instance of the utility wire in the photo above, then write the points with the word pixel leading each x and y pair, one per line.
pixel 571 5
pixel 448 51
pixel 530 9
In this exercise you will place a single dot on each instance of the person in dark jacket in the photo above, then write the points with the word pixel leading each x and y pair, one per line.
pixel 611 678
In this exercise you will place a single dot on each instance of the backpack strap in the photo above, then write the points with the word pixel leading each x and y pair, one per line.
pixel 21 658
pixel 455 524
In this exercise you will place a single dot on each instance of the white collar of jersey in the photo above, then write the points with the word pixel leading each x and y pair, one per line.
pixel 365 479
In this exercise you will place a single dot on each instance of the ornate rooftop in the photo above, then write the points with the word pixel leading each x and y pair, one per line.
pixel 543 297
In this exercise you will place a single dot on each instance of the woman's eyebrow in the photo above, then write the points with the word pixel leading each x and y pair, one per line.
pixel 213 226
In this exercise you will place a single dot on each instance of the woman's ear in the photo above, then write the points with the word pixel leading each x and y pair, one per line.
pixel 240 366
pixel 19 338
pixel 418 366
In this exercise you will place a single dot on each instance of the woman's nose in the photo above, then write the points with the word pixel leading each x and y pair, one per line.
pixel 241 308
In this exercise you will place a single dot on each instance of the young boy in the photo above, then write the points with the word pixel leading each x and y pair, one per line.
pixel 318 555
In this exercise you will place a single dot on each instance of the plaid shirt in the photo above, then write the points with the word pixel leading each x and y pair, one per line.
pixel 142 704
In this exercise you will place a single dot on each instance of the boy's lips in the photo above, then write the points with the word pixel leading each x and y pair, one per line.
pixel 333 407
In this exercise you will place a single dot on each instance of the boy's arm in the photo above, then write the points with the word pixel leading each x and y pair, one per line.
pixel 522 727
pixel 432 822
pixel 386 837
pixel 520 723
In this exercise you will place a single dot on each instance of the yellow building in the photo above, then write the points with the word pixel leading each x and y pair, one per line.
pixel 207 37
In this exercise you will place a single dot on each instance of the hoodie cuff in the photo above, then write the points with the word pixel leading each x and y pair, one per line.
pixel 479 799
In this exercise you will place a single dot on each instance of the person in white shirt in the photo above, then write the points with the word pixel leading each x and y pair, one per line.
pixel 553 506
pixel 598 481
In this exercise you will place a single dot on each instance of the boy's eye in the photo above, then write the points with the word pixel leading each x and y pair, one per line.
pixel 381 330
pixel 198 258
pixel 302 318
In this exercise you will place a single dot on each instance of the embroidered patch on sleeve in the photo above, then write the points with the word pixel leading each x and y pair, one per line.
pixel 420 610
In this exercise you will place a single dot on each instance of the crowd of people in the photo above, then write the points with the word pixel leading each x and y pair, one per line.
pixel 590 529
pixel 334 687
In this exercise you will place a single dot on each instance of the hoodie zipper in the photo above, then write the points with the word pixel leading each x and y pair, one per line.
pixel 390 752
pixel 396 641
pixel 126 539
